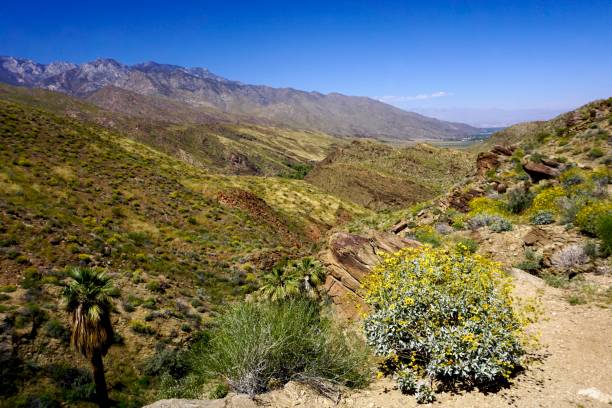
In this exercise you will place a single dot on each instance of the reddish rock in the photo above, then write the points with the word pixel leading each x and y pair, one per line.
pixel 501 188
pixel 539 171
pixel 349 259
pixel 503 150
pixel 535 236
pixel 551 163
pixel 460 200
pixel 485 162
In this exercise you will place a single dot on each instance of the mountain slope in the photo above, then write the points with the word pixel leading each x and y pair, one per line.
pixel 333 113
pixel 379 176
pixel 177 241
pixel 220 145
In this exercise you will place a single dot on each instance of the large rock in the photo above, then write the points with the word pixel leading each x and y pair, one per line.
pixel 485 162
pixel 460 200
pixel 539 171
pixel 348 259
pixel 503 150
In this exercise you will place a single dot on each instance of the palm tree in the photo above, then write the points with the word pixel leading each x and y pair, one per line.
pixel 88 301
pixel 279 284
pixel 312 274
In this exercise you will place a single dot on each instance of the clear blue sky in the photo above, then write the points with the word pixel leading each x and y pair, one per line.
pixel 471 54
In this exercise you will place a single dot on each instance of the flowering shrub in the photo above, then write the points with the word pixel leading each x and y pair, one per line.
pixel 487 205
pixel 588 217
pixel 546 200
pixel 543 218
pixel 443 316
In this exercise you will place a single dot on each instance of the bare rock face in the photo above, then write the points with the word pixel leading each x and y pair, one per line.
pixel 539 171
pixel 485 162
pixel 460 200
pixel 503 150
pixel 535 236
pixel 349 259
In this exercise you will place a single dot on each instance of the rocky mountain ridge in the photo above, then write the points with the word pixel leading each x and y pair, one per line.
pixel 332 113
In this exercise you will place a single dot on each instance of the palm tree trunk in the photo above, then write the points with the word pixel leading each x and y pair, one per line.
pixel 100 380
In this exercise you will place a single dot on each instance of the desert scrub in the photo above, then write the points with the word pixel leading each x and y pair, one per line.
pixel 531 262
pixel 543 218
pixel 495 223
pixel 519 199
pixel 487 205
pixel 569 257
pixel 444 316
pixel 547 200
pixel 256 346
pixel 427 235
pixel 589 216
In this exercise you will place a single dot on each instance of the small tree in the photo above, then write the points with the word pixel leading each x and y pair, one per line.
pixel 279 284
pixel 88 301
pixel 297 278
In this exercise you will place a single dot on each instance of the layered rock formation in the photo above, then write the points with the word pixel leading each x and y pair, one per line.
pixel 348 259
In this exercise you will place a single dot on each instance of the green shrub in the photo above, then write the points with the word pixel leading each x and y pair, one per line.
pixel 167 361
pixel 444 316
pixel 221 390
pixel 531 262
pixel 595 153
pixel 256 344
pixel 466 245
pixel 604 233
pixel 427 235
pixel 543 218
pixel 519 200
pixel 141 327
pixel 589 216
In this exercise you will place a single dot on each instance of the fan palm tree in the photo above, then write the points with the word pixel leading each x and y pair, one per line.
pixel 88 301
pixel 312 274
pixel 279 284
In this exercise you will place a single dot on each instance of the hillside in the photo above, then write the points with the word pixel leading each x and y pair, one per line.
pixel 178 241
pixel 222 146
pixel 203 91
pixel 379 176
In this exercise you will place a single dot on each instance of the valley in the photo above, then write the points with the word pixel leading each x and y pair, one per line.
pixel 196 210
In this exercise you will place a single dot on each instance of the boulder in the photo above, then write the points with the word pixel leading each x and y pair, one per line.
pixel 540 171
pixel 503 150
pixel 501 188
pixel 551 163
pixel 485 162
pixel 349 258
pixel 399 227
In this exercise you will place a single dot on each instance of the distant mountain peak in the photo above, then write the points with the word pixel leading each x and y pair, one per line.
pixel 334 113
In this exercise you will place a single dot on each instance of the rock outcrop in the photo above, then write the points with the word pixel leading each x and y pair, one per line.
pixel 485 162
pixel 348 259
pixel 539 171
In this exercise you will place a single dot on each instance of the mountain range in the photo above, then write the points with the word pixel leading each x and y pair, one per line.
pixel 204 96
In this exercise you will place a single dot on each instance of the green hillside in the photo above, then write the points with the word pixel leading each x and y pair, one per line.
pixel 178 241
pixel 381 176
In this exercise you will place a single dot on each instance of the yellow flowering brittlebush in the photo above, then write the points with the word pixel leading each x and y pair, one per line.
pixel 588 217
pixel 443 315
pixel 546 200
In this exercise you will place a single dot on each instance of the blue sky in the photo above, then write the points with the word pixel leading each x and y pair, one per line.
pixel 431 56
